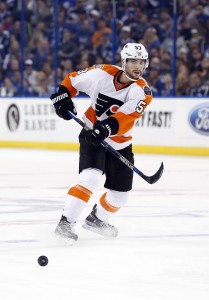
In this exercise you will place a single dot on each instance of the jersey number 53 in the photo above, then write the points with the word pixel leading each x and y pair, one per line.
pixel 140 106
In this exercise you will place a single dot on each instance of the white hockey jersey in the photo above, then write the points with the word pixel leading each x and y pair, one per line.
pixel 109 97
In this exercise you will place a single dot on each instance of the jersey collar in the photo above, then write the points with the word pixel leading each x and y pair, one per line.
pixel 118 85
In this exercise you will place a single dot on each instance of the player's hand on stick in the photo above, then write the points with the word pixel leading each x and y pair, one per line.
pixel 101 130
pixel 62 103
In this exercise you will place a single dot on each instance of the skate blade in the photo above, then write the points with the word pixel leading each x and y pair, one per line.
pixel 64 241
pixel 107 234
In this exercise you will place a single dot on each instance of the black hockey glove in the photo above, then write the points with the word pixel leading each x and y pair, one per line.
pixel 101 130
pixel 62 103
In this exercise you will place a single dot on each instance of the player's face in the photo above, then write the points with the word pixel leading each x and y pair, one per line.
pixel 134 68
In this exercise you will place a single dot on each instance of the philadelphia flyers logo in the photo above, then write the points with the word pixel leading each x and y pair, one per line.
pixel 114 108
pixel 107 105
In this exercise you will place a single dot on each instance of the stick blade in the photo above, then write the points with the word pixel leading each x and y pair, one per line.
pixel 154 178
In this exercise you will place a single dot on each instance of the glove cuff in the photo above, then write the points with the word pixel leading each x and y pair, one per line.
pixel 63 89
pixel 62 94
pixel 111 125
pixel 59 98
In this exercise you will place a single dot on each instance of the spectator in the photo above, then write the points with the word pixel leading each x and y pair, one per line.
pixel 183 54
pixel 84 58
pixel 8 22
pixel 164 85
pixel 47 69
pixel 43 87
pixel 3 11
pixel 155 62
pixel 1 77
pixel 155 52
pixel 8 89
pixel 42 51
pixel 84 26
pixel 196 88
pixel 104 6
pixel 151 39
pixel 166 27
pixel 60 74
pixel 4 45
pixel 67 66
pixel 204 70
pixel 183 69
pixel 16 30
pixel 196 36
pixel 187 15
pixel 153 77
pixel 94 17
pixel 43 11
pixel 27 90
pixel 14 65
pixel 105 48
pixel 195 59
pixel 15 49
pixel 129 18
pixel 139 26
pixel 99 60
pixel 206 37
pixel 38 35
pixel 102 28
pixel 124 38
pixel 83 64
pixel 17 81
pixel 155 23
pixel 30 75
pixel 182 83
pixel 84 37
pixel 166 62
pixel 184 29
pixel 81 16
pixel 68 48
pixel 201 16
pixel 87 56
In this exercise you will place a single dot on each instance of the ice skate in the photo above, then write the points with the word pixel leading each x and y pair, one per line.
pixel 94 224
pixel 65 230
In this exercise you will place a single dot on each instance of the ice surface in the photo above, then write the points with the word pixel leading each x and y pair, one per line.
pixel 161 253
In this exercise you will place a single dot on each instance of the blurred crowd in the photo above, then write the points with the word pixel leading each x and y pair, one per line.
pixel 84 38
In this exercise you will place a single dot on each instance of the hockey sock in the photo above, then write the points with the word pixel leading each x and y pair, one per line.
pixel 105 209
pixel 110 203
pixel 77 199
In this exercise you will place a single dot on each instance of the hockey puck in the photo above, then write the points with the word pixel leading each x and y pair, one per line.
pixel 43 260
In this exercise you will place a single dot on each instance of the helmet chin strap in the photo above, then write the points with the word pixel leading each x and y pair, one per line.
pixel 123 67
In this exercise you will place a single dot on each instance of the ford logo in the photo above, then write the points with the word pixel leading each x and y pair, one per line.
pixel 199 119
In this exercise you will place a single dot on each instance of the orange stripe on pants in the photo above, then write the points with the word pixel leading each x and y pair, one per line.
pixel 80 192
pixel 106 205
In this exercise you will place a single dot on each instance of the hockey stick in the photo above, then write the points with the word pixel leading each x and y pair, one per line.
pixel 150 179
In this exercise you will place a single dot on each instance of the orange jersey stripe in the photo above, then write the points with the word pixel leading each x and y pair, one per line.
pixel 91 115
pixel 67 83
pixel 112 70
pixel 126 122
pixel 80 192
pixel 141 82
pixel 106 205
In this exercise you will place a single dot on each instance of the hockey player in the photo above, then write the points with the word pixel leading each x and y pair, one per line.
pixel 119 97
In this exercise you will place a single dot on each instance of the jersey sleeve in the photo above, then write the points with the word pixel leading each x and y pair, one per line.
pixel 87 79
pixel 80 81
pixel 129 112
